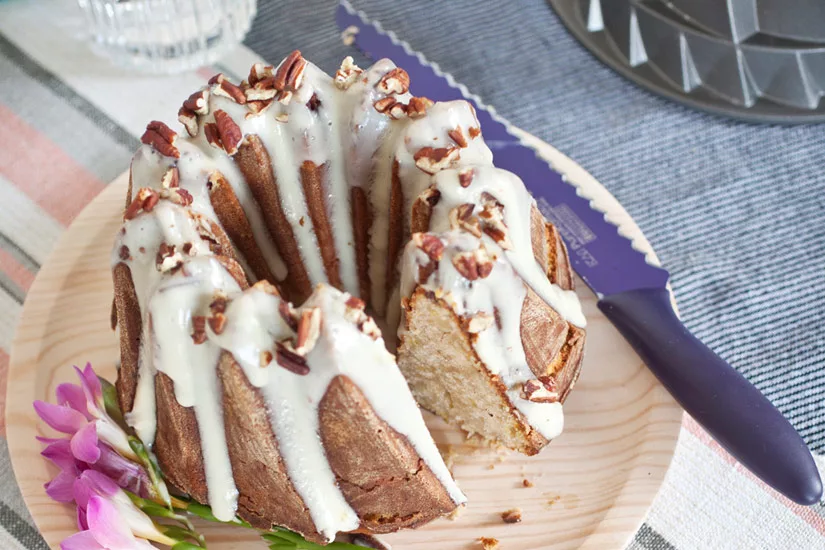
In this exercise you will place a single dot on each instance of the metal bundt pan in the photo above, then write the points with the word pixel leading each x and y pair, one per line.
pixel 736 57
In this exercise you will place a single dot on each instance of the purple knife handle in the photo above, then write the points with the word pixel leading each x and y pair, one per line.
pixel 729 407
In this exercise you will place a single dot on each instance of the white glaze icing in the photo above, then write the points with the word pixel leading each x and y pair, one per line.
pixel 358 146
pixel 509 190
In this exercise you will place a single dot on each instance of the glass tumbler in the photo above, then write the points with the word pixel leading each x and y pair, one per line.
pixel 166 36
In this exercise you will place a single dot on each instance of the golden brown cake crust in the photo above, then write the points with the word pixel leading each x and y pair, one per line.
pixel 312 180
pixel 255 165
pixel 376 467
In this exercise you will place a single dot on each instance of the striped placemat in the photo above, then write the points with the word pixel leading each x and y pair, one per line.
pixel 735 211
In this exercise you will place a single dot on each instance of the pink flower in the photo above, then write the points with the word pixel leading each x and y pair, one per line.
pixel 109 518
pixel 81 413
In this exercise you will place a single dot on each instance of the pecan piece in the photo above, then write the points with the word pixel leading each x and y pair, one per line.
pixel 227 89
pixel 179 196
pixel 458 137
pixel 260 71
pixel 461 217
pixel 511 516
pixel 229 132
pixel 145 201
pixel 390 106
pixel 473 265
pixel 198 329
pixel 161 138
pixel 537 392
pixel 431 160
pixel 189 119
pixel 314 103
pixel 309 329
pixel 290 73
pixel 213 137
pixel 418 106
pixel 465 177
pixel 474 132
pixel 265 358
pixel 217 323
pixel 347 74
pixel 198 102
pixel 288 315
pixel 492 221
pixel 171 178
pixel 168 258
pixel 397 81
pixel 123 253
pixel 368 327
pixel 430 244
pixel 291 361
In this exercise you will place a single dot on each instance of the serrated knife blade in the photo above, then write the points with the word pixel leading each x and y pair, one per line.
pixel 632 293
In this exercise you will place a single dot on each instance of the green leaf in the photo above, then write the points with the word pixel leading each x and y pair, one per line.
pixel 110 403
pixel 186 546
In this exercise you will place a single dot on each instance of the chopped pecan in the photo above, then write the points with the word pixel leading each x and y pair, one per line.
pixel 492 221
pixel 179 196
pixel 474 132
pixel 189 119
pixel 418 106
pixel 171 178
pixel 291 361
pixel 161 138
pixel 461 217
pixel 229 132
pixel 465 177
pixel 526 483
pixel 123 253
pixel 511 516
pixel 217 79
pixel 355 303
pixel 198 102
pixel 288 315
pixel 188 249
pixel 458 137
pixel 390 106
pixel 218 304
pixel 257 107
pixel 431 160
pixel 262 90
pixel 474 264
pixel 266 358
pixel 260 71
pixel 145 201
pixel 217 323
pixel 232 91
pixel 368 327
pixel 198 329
pixel 168 258
pixel 347 74
pixel 430 244
pixel 290 73
pixel 431 196
pixel 489 543
pixel 213 137
pixel 309 329
pixel 537 392
pixel 313 103
pixel 397 81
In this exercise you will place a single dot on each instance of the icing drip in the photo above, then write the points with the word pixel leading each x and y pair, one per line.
pixel 171 308
pixel 500 294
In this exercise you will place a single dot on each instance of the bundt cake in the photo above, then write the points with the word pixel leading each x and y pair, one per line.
pixel 253 252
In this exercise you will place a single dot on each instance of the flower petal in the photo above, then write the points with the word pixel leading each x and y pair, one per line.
pixel 73 396
pixel 59 452
pixel 126 473
pixel 61 488
pixel 109 528
pixel 91 388
pixel 85 540
pixel 84 444
pixel 62 419
pixel 82 524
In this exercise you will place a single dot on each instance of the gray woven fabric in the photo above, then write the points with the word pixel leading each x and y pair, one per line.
pixel 735 211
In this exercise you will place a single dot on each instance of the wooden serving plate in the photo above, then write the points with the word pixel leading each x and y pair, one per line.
pixel 591 487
